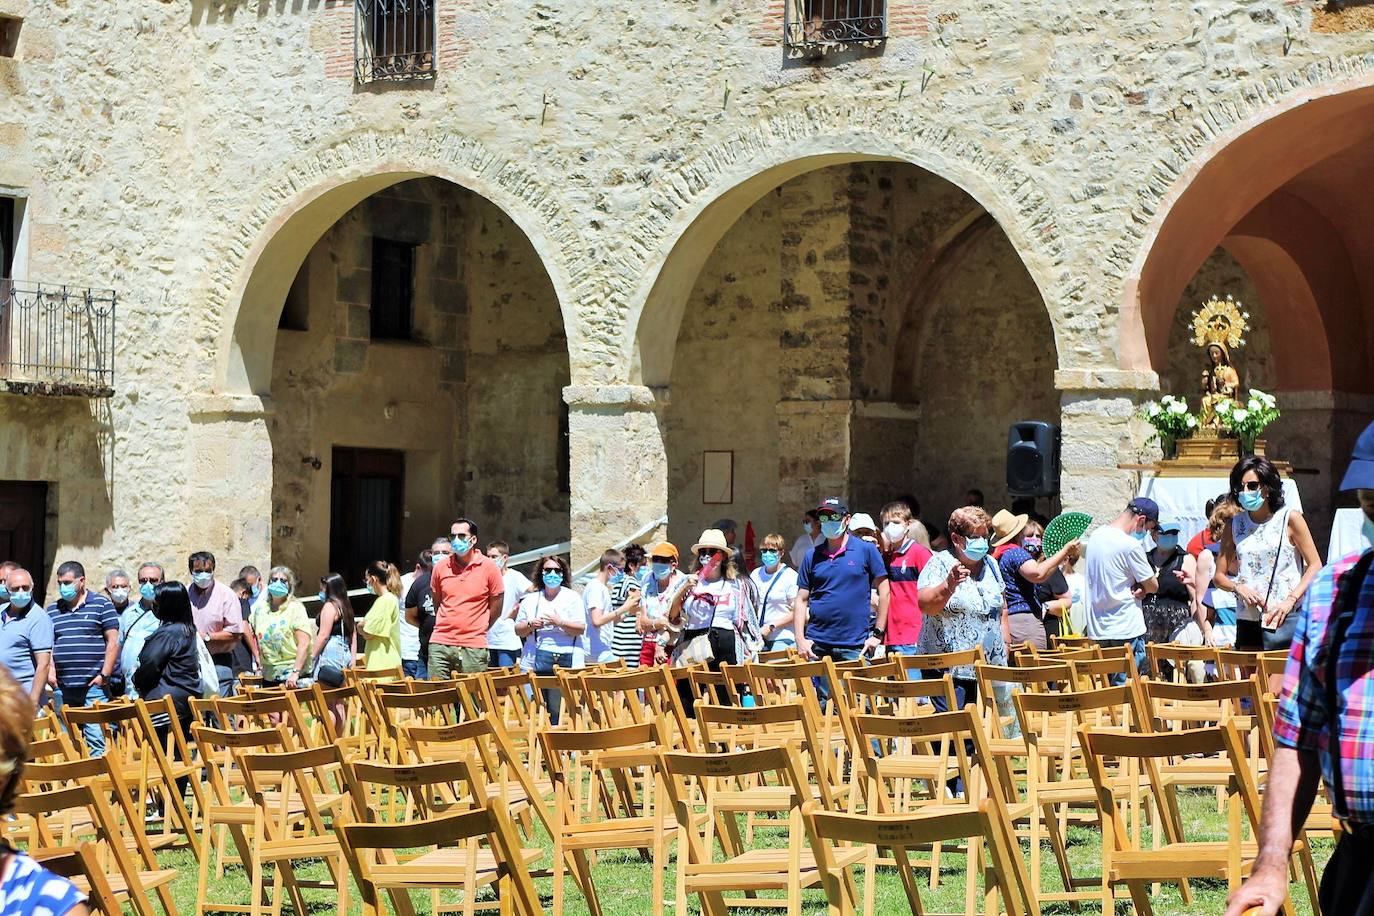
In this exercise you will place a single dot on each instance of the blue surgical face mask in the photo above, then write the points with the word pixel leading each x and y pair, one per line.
pixel 4 591
pixel 1168 541
pixel 832 530
pixel 662 570
pixel 203 579
pixel 278 589
pixel 67 590
pixel 146 590
pixel 257 590
pixel 370 589
pixel 322 596
pixel 552 579
pixel 976 548
pixel 769 558
pixel 1251 500
pixel 462 546
pixel 20 600
pixel 617 577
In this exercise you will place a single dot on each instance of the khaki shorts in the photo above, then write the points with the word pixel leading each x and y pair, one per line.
pixel 447 661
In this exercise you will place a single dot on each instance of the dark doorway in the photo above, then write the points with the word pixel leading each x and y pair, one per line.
pixel 366 500
pixel 23 507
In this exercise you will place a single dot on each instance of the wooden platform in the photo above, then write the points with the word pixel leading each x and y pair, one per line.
pixel 1205 457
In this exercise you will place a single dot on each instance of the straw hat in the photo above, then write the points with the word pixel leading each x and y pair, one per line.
pixel 712 538
pixel 1006 526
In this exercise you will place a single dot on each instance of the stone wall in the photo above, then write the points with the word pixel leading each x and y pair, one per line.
pixel 164 146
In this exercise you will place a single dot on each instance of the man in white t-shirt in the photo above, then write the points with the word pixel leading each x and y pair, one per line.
pixel 503 646
pixel 1117 575
pixel 811 539
pixel 601 618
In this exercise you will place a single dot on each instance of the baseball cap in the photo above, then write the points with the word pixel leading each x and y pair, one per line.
pixel 1170 524
pixel 663 549
pixel 1143 505
pixel 1360 474
pixel 833 504
pixel 862 521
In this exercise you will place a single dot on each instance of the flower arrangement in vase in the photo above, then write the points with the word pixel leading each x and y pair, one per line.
pixel 1246 421
pixel 1172 420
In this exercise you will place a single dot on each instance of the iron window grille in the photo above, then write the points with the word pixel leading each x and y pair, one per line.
pixel 56 339
pixel 821 25
pixel 393 40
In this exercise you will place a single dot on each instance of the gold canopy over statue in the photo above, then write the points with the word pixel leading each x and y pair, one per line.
pixel 1219 327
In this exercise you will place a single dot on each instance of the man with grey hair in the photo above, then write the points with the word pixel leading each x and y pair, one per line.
pixel 117 590
pixel 137 621
pixel 26 635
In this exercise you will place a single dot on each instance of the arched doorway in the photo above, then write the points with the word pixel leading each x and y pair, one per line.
pixel 862 327
pixel 1276 215
pixel 415 362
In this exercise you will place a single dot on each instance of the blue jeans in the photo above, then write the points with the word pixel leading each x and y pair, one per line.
pixel 834 653
pixel 504 658
pixel 913 674
pixel 414 668
pixel 93 735
pixel 1142 662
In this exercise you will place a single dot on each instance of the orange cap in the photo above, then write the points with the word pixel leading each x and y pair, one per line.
pixel 663 549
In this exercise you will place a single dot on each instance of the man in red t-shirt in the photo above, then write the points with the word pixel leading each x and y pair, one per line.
pixel 468 590
pixel 905 559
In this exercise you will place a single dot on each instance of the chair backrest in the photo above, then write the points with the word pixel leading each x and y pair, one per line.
pixel 1177 658
pixel 598 769
pixel 1096 673
pixel 949 744
pixel 400 792
pixel 1032 678
pixel 220 749
pixel 728 729
pixel 266 711
pixel 1237 664
pixel 634 698
pixel 305 781
pixel 1179 706
pixel 941 661
pixel 893 697
pixel 1051 722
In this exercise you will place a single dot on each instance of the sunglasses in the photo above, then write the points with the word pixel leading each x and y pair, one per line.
pixel 832 518
pixel 705 554
pixel 551 569
pixel 1253 486
pixel 660 559
pixel 280 579
pixel 149 580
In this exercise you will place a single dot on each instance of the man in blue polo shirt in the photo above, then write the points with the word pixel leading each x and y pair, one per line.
pixel 833 586
pixel 85 645
pixel 25 635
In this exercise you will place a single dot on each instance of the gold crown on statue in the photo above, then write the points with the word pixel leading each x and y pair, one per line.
pixel 1220 321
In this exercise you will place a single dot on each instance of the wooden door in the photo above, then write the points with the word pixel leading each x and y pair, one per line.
pixel 366 506
pixel 23 507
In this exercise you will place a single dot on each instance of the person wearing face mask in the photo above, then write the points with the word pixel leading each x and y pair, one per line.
pixel 1174 604
pixel 833 588
pixel 961 596
pixel 776 584
pixel 1117 576
pixel 284 631
pixel 252 580
pixel 1022 571
pixel 418 604
pixel 219 617
pixel 26 636
pixel 1324 734
pixel 468 596
pixel 665 580
pixel 905 558
pixel 85 645
pixel 336 641
pixel 502 642
pixel 1053 594
pixel 137 622
pixel 117 590
pixel 596 600
pixel 810 538
pixel 5 567
pixel 1267 558
pixel 556 619
pixel 381 627
pixel 626 594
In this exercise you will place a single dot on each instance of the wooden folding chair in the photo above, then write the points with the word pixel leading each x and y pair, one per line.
pixel 716 779
pixel 635 698
pixel 296 795
pixel 65 804
pixel 82 867
pixel 607 795
pixel 1180 664
pixel 903 833
pixel 433 707
pixel 267 710
pixel 940 661
pixel 1125 862
pixel 373 856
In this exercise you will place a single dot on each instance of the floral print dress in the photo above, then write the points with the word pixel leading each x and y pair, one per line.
pixel 972 618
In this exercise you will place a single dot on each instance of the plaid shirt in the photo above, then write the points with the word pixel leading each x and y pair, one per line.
pixel 1302 717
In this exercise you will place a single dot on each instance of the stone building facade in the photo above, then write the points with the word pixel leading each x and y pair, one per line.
pixel 634 236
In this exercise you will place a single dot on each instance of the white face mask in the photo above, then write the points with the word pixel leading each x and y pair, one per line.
pixel 895 532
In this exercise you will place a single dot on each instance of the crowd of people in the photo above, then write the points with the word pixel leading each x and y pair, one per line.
pixel 849 586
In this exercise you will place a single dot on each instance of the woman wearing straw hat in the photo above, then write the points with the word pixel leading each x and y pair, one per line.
pixel 715 607
pixel 1021 573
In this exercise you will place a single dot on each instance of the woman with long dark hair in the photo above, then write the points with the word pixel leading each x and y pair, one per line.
pixel 1267 558
pixel 382 625
pixel 336 640
pixel 169 663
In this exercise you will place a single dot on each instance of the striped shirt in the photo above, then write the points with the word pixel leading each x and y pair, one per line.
pixel 626 642
pixel 78 648
pixel 29 889
pixel 1302 718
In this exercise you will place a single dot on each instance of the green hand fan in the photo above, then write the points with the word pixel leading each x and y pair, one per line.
pixel 1062 529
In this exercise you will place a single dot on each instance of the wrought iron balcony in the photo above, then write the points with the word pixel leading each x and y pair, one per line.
pixel 815 26
pixel 393 40
pixel 56 340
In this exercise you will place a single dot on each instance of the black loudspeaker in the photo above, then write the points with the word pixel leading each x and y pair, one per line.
pixel 1033 459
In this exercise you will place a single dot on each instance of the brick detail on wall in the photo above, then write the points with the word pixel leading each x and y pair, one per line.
pixel 338 58
pixel 905 19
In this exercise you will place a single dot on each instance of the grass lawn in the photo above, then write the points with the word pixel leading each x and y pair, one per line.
pixel 623 880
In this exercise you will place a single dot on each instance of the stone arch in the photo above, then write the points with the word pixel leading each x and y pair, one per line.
pixel 703 197
pixel 261 254
pixel 1218 186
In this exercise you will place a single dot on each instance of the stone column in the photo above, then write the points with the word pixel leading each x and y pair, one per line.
pixel 1101 431
pixel 228 507
pixel 619 469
